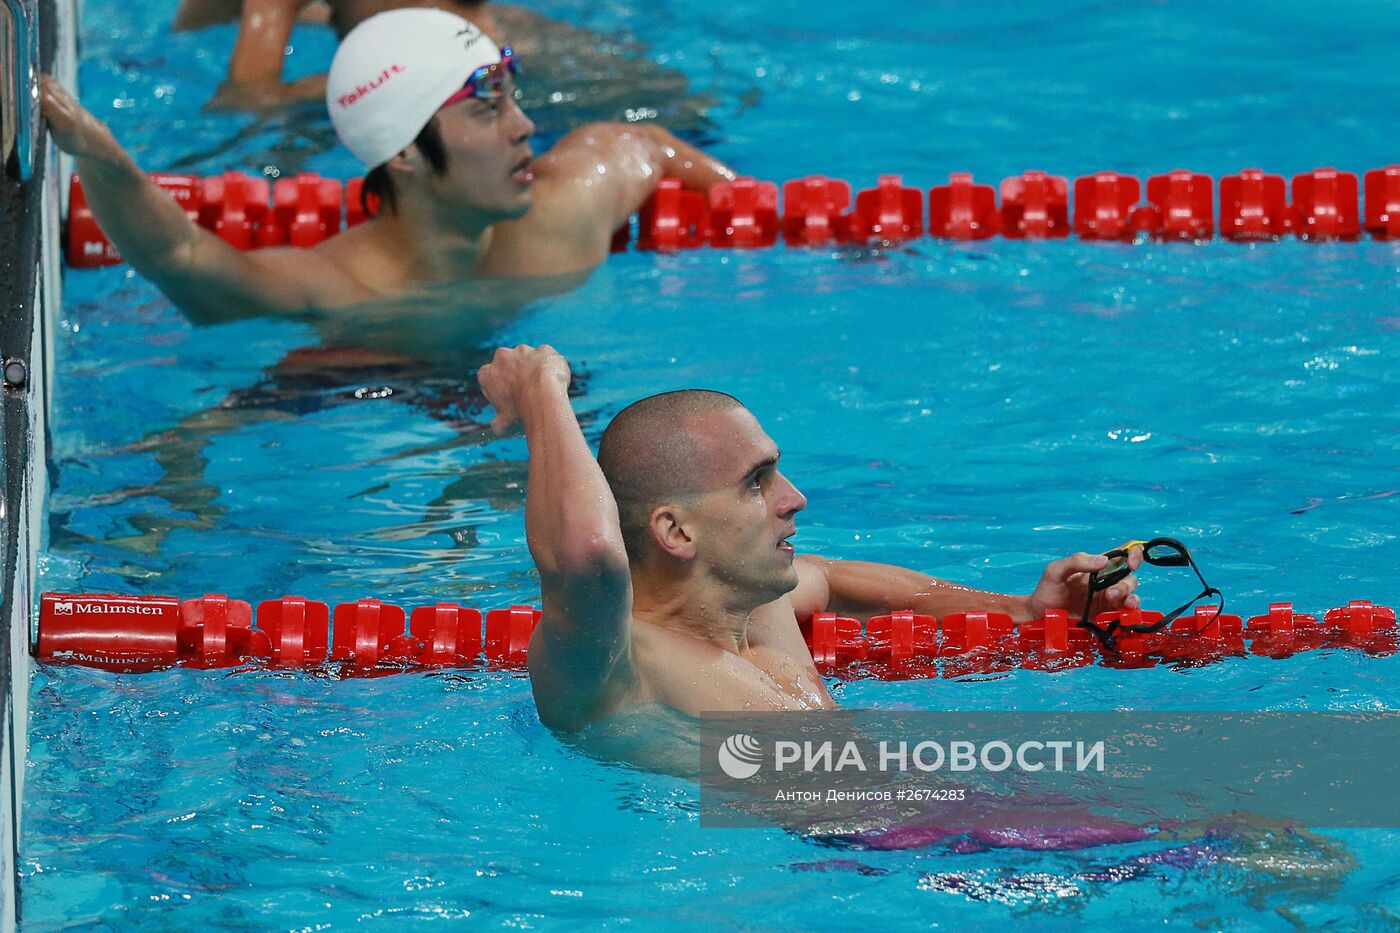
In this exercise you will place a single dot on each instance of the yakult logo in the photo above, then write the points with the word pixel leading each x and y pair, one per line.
pixel 345 100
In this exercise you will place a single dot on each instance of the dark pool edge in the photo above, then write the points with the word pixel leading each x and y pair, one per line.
pixel 31 285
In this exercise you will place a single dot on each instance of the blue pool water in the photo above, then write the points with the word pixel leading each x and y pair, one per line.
pixel 970 410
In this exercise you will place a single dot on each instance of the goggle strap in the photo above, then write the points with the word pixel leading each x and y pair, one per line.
pixel 1103 633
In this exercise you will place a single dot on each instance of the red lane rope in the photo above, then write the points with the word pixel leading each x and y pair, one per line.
pixel 140 633
pixel 134 633
pixel 817 211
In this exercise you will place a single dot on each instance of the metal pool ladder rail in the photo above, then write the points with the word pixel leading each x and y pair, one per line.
pixel 19 90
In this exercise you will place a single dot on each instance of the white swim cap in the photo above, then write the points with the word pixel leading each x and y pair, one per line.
pixel 392 73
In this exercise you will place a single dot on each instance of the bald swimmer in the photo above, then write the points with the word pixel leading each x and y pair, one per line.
pixel 666 565
pixel 426 101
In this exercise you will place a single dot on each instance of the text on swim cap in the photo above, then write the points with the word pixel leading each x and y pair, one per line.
pixel 345 100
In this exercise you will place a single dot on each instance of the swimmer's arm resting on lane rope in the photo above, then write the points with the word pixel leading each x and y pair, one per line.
pixel 861 589
pixel 205 277
pixel 595 178
pixel 579 655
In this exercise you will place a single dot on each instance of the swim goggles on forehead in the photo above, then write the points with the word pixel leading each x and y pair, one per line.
pixel 1159 552
pixel 489 82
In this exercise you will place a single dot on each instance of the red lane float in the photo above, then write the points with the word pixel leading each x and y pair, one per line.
pixel 962 209
pixel 367 632
pixel 448 634
pixel 1383 202
pixel 888 213
pixel 508 634
pixel 215 631
pixel 1054 643
pixel 234 206
pixel 1283 632
pixel 1105 205
pixel 673 218
pixel 1254 206
pixel 817 211
pixel 367 637
pixel 1325 201
pixel 814 211
pixel 1034 206
pixel 744 214
pixel 305 210
pixel 1181 205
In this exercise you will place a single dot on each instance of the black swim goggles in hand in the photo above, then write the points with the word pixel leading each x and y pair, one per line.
pixel 1159 552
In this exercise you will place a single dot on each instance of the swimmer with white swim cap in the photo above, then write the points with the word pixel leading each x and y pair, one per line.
pixel 427 101
pixel 666 567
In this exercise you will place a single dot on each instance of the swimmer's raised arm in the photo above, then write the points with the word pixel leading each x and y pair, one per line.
pixel 861 589
pixel 207 278
pixel 579 654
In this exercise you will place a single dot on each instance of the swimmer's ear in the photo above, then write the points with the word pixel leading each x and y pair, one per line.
pixel 409 161
pixel 670 533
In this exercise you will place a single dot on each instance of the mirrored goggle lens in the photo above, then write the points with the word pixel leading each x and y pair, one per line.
pixel 1115 570
pixel 489 82
pixel 1165 554
pixel 491 85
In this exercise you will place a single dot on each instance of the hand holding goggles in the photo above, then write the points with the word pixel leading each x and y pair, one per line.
pixel 1160 552
pixel 489 82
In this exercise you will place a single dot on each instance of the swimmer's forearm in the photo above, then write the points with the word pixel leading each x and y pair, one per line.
pixel 571 520
pixel 259 52
pixel 572 529
pixel 147 226
pixel 862 589
pixel 142 221
pixel 678 159
pixel 207 278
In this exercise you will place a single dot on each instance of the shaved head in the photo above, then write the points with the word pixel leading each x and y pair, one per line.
pixel 650 457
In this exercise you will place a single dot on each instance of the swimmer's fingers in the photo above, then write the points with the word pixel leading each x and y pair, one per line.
pixel 505 420
pixel 74 129
pixel 1121 595
pixel 1073 571
pixel 1061 570
pixel 60 108
pixel 1064 584
pixel 515 374
pixel 493 378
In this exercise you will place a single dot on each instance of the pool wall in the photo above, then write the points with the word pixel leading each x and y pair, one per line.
pixel 29 267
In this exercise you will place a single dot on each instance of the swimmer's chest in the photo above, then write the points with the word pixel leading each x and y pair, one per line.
pixel 695 676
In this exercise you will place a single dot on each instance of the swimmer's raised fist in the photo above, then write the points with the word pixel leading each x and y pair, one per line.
pixel 76 131
pixel 516 374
